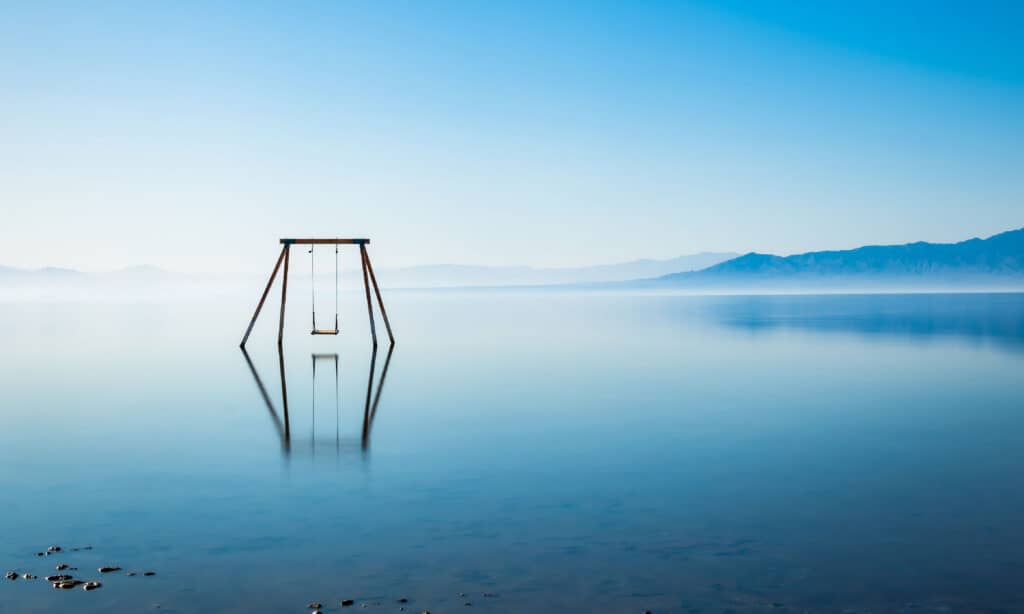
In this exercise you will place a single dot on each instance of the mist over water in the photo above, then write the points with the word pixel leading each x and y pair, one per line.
pixel 561 451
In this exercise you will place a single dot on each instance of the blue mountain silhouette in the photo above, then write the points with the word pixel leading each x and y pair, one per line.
pixel 999 255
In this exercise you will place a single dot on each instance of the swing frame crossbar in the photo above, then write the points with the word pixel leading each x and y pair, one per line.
pixel 368 278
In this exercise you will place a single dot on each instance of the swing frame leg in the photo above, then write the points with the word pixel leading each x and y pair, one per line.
pixel 376 290
pixel 263 297
pixel 284 294
pixel 369 303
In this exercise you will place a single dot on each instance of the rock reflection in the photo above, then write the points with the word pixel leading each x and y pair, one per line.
pixel 281 421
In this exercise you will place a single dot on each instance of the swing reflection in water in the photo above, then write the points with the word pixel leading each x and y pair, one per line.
pixel 281 421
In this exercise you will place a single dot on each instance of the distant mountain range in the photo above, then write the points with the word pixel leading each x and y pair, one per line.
pixel 53 282
pixel 995 263
pixel 451 275
pixel 998 258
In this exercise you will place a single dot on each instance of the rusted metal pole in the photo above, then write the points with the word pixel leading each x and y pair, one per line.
pixel 263 298
pixel 369 303
pixel 284 294
pixel 376 289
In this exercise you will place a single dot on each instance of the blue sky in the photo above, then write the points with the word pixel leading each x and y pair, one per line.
pixel 193 135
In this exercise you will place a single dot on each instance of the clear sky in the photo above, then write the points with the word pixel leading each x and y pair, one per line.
pixel 193 135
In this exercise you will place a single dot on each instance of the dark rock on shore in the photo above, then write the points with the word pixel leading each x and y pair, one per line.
pixel 109 569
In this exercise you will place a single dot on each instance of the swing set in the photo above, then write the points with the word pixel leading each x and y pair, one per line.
pixel 368 277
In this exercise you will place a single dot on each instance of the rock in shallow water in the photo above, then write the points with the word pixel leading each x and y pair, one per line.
pixel 347 602
pixel 91 586
pixel 313 605
pixel 109 569
pixel 10 575
pixel 149 573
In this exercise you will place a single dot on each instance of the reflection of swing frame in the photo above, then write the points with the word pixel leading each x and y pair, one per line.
pixel 328 357
pixel 368 277
pixel 283 427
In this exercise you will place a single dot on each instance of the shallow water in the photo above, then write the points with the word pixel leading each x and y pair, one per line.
pixel 562 452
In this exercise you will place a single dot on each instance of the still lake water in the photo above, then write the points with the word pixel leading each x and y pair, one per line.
pixel 562 452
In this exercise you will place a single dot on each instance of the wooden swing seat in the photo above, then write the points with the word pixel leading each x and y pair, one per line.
pixel 324 331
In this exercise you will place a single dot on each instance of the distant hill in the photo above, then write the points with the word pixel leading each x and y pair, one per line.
pixel 996 258
pixel 431 275
pixel 52 283
pixel 447 275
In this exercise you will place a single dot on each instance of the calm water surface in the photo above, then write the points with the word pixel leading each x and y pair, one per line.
pixel 563 452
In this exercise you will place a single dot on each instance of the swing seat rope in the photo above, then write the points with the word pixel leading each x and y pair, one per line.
pixel 312 271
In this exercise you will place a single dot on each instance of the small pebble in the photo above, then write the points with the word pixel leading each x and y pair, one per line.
pixel 130 573
pixel 149 573
pixel 62 567
pixel 403 600
pixel 40 554
pixel 29 576
pixel 91 586
pixel 67 584
pixel 58 578
pixel 347 602
pixel 314 606
pixel 11 575
pixel 109 569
